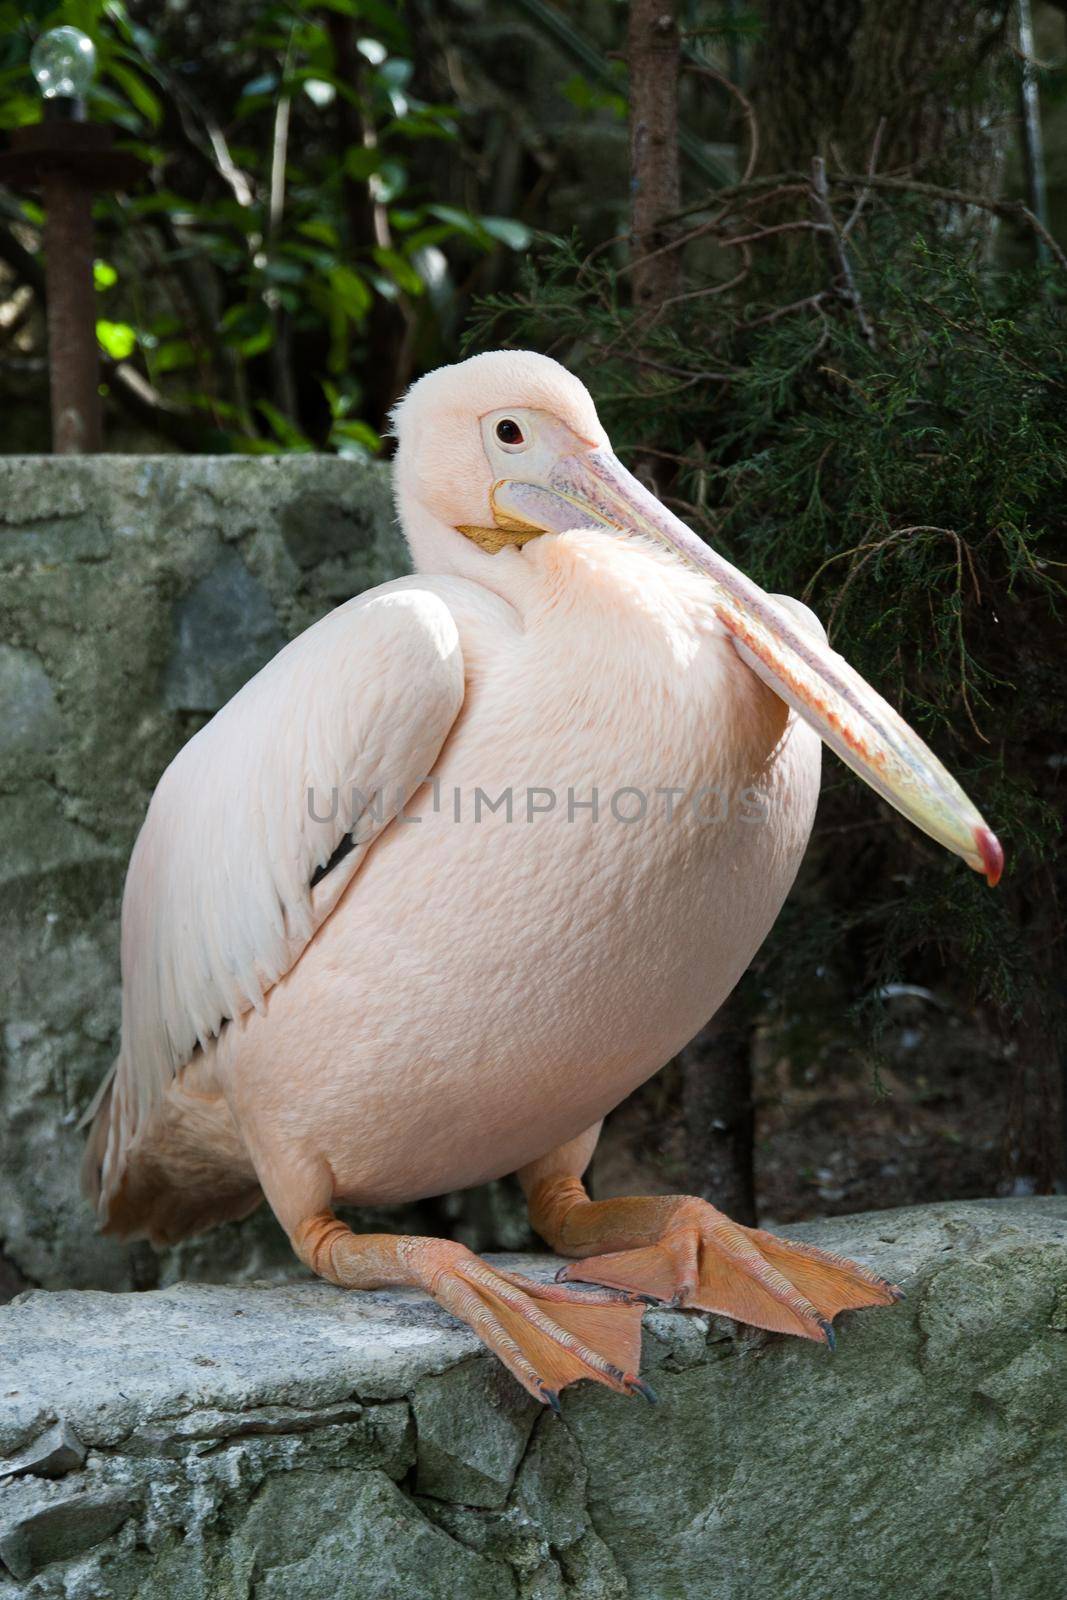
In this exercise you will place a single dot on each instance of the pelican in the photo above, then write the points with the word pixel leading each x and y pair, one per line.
pixel 467 862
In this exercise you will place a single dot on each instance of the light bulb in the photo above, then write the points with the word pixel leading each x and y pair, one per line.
pixel 64 62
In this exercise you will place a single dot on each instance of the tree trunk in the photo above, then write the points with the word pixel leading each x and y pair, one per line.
pixel 719 1114
pixel 828 72
pixel 653 56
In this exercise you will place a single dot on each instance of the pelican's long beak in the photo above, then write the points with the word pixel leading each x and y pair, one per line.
pixel 592 487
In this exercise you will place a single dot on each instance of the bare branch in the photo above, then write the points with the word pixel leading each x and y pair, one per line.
pixel 802 225
pixel 737 190
pixel 960 197
pixel 813 302
pixel 747 112
pixel 872 167
pixel 823 209
pixel 673 372
pixel 284 383
pixel 713 289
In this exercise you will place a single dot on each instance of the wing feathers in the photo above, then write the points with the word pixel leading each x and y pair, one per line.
pixel 219 901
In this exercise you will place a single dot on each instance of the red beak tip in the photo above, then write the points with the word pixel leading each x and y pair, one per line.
pixel 989 848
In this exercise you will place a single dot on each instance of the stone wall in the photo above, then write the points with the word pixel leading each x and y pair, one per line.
pixel 136 595
pixel 298 1442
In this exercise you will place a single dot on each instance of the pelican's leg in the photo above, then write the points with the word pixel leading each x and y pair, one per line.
pixel 546 1335
pixel 679 1249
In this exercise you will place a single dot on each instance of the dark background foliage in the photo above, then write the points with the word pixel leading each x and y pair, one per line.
pixel 831 332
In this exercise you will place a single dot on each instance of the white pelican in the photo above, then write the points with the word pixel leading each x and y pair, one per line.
pixel 466 863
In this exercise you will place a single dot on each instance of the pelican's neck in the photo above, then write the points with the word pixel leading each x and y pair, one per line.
pixel 438 550
pixel 583 578
pixel 601 600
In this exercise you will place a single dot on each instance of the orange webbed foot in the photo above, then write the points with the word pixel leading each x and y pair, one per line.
pixel 705 1262
pixel 546 1335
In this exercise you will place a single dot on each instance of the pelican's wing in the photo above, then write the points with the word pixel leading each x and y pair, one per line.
pixel 225 886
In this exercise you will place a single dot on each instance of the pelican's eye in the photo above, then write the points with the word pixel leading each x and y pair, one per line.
pixel 509 432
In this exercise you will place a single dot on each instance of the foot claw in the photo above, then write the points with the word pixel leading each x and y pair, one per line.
pixel 547 1336
pixel 829 1335
pixel 645 1390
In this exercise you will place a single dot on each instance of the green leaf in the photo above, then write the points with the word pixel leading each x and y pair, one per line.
pixel 245 445
pixel 402 272
pixel 323 259
pixel 372 50
pixel 320 92
pixel 153 155
pixel 282 428
pixel 389 181
pixel 482 230
pixel 250 104
pixel 434 234
pixel 117 338
pixel 325 232
pixel 104 275
pixel 83 14
pixel 19 110
pixel 174 356
pixel 247 329
pixel 359 433
pixel 279 270
pixel 516 235
pixel 462 221
pixel 396 72
pixel 420 125
pixel 137 92
pixel 384 286
pixel 107 106
pixel 337 402
pixel 384 19
pixel 361 162
pixel 351 292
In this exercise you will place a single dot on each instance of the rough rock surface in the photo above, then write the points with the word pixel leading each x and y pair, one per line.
pixel 136 595
pixel 205 1442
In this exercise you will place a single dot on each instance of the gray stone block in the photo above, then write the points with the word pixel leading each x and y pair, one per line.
pixel 53 1454
pixel 41 1525
pixel 210 659
pixel 473 1424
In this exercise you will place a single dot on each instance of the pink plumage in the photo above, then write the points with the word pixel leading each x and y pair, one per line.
pixel 578 797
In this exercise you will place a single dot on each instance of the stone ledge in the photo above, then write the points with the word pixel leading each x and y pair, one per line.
pixel 299 1442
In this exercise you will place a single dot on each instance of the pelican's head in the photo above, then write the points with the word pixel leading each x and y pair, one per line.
pixel 507 446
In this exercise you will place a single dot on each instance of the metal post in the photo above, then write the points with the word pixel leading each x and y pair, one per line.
pixel 73 357
pixel 69 159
